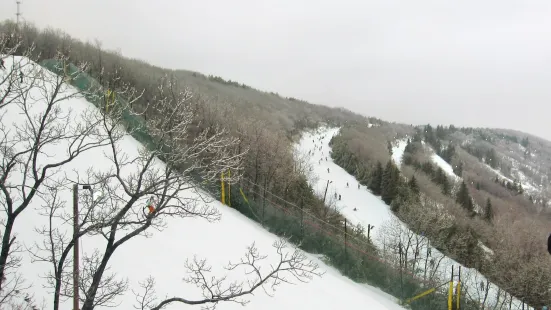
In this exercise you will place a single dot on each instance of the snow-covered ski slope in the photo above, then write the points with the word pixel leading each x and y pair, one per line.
pixel 163 254
pixel 398 153
pixel 371 210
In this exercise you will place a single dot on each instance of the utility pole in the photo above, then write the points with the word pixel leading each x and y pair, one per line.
pixel 18 13
pixel 76 250
pixel 369 227
pixel 326 187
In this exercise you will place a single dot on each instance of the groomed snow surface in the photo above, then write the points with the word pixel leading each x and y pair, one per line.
pixel 164 253
pixel 398 153
pixel 371 210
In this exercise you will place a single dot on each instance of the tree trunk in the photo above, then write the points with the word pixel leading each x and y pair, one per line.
pixel 6 244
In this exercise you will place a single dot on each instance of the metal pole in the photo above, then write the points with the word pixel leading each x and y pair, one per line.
pixel 75 248
pixel 18 13
pixel 326 187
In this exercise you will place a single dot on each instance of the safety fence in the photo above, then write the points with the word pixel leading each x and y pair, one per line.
pixel 346 248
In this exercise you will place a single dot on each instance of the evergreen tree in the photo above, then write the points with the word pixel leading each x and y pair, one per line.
pixel 418 136
pixel 448 153
pixel 491 158
pixel 413 185
pixel 441 179
pixel 458 169
pixel 409 147
pixel 376 179
pixel 464 199
pixel 478 185
pixel 389 146
pixel 389 182
pixel 427 168
pixel 488 211
pixel 525 142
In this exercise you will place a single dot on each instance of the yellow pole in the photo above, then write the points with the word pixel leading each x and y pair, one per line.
pixel 229 188
pixel 458 293
pixel 425 293
pixel 450 296
pixel 222 183
pixel 243 194
pixel 450 293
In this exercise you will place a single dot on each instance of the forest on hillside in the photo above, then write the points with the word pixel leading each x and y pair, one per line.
pixel 479 206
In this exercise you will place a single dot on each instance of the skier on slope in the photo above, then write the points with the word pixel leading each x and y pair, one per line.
pixel 2 63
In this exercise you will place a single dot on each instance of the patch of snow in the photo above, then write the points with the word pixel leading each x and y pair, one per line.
pixel 398 152
pixel 486 249
pixel 448 169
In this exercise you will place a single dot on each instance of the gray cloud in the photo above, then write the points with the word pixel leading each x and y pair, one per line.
pixel 476 63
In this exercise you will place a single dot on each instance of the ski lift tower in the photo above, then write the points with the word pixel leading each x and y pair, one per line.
pixel 18 13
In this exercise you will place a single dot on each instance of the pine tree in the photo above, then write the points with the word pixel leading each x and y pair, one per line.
pixel 491 158
pixel 488 211
pixel 458 169
pixel 441 179
pixel 464 199
pixel 376 179
pixel 413 185
pixel 389 182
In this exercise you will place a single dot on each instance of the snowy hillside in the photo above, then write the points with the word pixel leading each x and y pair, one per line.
pixel 448 169
pixel 164 253
pixel 360 206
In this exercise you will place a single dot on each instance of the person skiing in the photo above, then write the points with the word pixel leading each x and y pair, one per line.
pixel 339 196
pixel 358 185
pixel 347 184
pixel 2 63
pixel 150 206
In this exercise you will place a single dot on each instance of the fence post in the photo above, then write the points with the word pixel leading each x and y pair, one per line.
pixel 301 219
pixel 458 289
pixel 401 271
pixel 345 237
pixel 450 293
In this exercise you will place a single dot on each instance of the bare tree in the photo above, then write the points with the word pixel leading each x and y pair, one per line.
pixel 217 289
pixel 133 177
pixel 32 124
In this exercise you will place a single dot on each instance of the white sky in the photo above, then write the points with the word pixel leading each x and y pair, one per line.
pixel 476 63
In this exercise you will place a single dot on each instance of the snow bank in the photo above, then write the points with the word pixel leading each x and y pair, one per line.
pixel 398 151
pixel 448 169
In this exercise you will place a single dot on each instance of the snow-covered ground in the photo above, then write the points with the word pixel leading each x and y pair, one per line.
pixel 371 210
pixel 163 254
pixel 398 151
pixel 448 169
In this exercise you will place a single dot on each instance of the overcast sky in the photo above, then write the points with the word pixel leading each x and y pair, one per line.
pixel 467 62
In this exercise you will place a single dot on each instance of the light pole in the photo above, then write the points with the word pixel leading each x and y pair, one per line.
pixel 369 228
pixel 76 258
